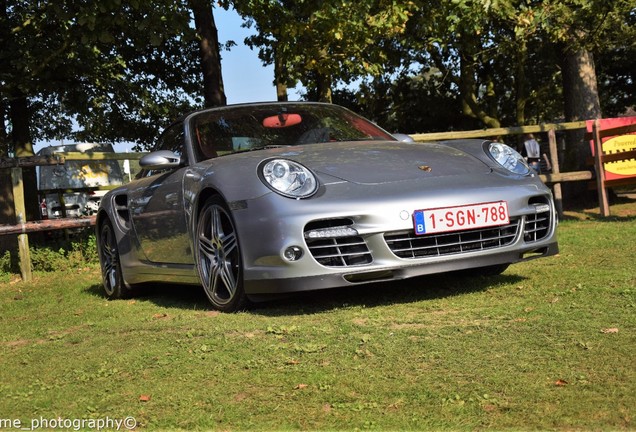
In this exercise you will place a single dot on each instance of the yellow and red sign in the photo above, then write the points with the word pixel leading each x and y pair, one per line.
pixel 617 144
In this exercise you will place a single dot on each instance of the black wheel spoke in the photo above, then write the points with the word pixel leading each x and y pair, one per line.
pixel 229 243
pixel 206 248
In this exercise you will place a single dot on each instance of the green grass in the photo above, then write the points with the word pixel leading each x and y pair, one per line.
pixel 550 344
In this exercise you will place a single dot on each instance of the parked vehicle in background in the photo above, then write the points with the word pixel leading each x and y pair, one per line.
pixel 76 188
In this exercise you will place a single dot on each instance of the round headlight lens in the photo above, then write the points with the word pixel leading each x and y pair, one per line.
pixel 508 158
pixel 289 178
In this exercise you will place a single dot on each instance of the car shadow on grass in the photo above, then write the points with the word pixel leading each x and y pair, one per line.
pixel 164 295
pixel 381 294
pixel 622 209
pixel 368 295
pixel 592 215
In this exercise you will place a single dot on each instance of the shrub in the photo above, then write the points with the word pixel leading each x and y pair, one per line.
pixel 64 255
pixel 5 266
pixel 56 254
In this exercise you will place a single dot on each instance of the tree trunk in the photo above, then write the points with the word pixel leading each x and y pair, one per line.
pixel 7 212
pixel 20 117
pixel 468 93
pixel 213 92
pixel 323 84
pixel 520 83
pixel 280 77
pixel 581 99
pixel 7 215
pixel 581 102
pixel 4 139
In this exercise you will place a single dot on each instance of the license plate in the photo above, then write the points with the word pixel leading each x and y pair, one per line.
pixel 460 218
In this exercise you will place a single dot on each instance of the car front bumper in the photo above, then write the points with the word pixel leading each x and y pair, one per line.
pixel 385 246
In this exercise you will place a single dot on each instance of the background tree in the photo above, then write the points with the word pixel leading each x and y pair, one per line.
pixel 485 52
pixel 320 44
pixel 583 29
pixel 499 62
pixel 117 71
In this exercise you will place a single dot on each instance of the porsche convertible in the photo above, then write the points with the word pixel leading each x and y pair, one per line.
pixel 255 199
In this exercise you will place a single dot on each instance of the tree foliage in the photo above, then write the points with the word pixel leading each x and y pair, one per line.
pixel 115 69
pixel 497 62
pixel 501 62
pixel 105 72
pixel 324 43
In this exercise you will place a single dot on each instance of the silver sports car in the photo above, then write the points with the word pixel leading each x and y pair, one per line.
pixel 269 198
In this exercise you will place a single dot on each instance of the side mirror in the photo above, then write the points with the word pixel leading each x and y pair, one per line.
pixel 403 137
pixel 160 160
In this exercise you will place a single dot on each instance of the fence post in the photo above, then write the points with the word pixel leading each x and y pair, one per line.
pixel 20 213
pixel 600 169
pixel 554 160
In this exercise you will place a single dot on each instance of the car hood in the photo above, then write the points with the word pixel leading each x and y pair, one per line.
pixel 386 161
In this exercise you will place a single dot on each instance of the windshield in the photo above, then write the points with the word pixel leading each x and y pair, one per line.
pixel 246 128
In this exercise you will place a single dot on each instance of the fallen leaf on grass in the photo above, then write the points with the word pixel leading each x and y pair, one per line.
pixel 561 383
pixel 160 315
pixel 395 406
pixel 144 398
pixel 490 408
pixel 212 313
pixel 300 386
pixel 610 330
pixel 240 397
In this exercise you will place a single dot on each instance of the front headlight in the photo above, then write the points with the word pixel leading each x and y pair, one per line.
pixel 508 158
pixel 288 178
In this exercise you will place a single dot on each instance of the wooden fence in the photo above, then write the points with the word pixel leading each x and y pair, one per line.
pixel 554 179
pixel 23 227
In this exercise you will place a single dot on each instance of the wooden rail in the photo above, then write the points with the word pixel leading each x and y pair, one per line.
pixel 30 161
pixel 496 132
pixel 48 225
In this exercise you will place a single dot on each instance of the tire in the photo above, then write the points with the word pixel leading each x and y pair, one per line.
pixel 114 285
pixel 218 257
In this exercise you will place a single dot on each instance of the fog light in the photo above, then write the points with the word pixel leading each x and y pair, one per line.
pixel 293 253
pixel 342 231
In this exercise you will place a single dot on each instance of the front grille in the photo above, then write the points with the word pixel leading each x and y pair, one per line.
pixel 405 244
pixel 334 243
pixel 537 227
pixel 340 251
